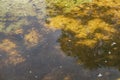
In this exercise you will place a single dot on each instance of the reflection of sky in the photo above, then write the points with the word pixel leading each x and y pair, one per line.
pixel 44 61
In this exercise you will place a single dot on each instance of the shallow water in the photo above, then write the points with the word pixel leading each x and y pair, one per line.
pixel 32 50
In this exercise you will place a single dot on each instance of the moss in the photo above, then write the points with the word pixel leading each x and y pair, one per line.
pixel 88 31
pixel 32 38
pixel 14 57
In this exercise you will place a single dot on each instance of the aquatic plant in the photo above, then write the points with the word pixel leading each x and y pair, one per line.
pixel 66 5
pixel 89 31
pixel 32 38
pixel 18 21
pixel 10 49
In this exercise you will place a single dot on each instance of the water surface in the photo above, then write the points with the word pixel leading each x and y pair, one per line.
pixel 43 40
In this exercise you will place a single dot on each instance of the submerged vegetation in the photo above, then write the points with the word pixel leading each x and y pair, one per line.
pixel 37 36
pixel 90 32
pixel 32 38
pixel 9 48
pixel 64 5
pixel 89 29
pixel 19 21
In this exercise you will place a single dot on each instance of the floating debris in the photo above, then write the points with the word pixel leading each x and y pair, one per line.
pixel 106 61
pixel 60 67
pixel 100 75
pixel 113 43
pixel 30 71
pixel 36 76
pixel 109 52
pixel 69 40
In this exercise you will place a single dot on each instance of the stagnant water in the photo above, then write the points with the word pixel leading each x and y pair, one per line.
pixel 32 50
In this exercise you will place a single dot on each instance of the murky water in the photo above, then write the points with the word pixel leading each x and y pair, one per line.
pixel 44 40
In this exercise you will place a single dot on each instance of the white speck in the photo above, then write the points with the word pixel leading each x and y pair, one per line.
pixel 106 61
pixel 69 40
pixel 109 52
pixel 113 43
pixel 0 55
pixel 60 66
pixel 30 71
pixel 100 75
pixel 25 14
pixel 36 76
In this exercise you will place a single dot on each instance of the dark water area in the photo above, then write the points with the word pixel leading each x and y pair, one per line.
pixel 31 50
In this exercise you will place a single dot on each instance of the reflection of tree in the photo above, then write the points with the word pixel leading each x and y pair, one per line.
pixel 90 32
